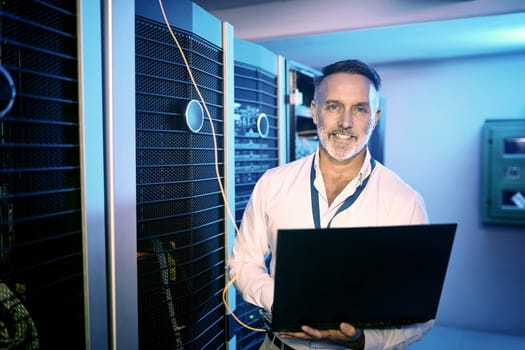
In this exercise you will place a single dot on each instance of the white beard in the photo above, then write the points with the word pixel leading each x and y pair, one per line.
pixel 339 148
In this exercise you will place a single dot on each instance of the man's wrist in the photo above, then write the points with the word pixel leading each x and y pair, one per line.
pixel 357 342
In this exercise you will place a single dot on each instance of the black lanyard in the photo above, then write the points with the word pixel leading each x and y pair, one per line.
pixel 348 201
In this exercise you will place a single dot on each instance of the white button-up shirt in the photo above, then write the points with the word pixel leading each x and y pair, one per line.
pixel 282 199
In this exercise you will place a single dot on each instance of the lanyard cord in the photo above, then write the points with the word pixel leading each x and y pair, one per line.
pixel 346 204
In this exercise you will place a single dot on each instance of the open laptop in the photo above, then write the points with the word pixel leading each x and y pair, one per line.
pixel 371 277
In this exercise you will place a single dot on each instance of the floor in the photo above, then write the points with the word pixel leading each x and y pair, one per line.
pixel 441 337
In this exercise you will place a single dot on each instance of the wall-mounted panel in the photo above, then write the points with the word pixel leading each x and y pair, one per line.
pixel 504 172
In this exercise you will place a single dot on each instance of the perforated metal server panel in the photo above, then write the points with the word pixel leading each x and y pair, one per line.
pixel 180 211
pixel 255 93
pixel 40 206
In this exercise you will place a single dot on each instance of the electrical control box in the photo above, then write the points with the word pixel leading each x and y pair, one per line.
pixel 503 201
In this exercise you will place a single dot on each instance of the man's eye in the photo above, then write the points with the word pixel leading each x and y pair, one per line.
pixel 360 110
pixel 332 107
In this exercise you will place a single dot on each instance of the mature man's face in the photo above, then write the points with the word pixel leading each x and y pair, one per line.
pixel 345 111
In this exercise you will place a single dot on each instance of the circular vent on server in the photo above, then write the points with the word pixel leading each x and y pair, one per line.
pixel 7 91
pixel 263 125
pixel 194 115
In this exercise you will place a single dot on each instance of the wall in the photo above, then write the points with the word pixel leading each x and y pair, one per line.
pixel 434 115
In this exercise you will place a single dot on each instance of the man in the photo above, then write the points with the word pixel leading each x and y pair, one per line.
pixel 340 185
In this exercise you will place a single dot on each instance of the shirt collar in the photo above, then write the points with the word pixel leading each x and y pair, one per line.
pixel 363 172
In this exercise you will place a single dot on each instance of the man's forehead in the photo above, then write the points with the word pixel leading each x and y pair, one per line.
pixel 338 85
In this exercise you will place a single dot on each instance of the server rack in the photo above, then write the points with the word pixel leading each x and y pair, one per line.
pixel 259 146
pixel 181 213
pixel 302 132
pixel 44 225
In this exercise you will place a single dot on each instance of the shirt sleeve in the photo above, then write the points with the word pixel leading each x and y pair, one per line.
pixel 247 262
pixel 395 338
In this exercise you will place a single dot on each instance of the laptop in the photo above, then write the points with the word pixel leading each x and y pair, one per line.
pixel 371 277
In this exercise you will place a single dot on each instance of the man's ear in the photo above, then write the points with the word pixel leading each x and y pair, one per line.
pixel 313 109
pixel 377 116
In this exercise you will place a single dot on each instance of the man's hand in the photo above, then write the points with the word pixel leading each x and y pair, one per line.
pixel 347 335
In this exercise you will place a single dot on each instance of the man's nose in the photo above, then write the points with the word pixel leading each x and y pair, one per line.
pixel 346 120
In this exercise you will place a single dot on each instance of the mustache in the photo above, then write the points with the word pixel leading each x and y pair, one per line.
pixel 343 132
